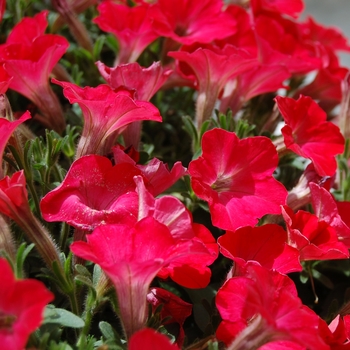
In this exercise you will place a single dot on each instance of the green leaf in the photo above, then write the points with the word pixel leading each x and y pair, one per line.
pixel 82 270
pixel 22 253
pixel 98 47
pixel 190 128
pixel 62 317
pixel 59 346
pixel 85 280
pixel 106 330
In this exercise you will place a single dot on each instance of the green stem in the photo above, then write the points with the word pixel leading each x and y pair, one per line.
pixel 90 306
pixel 35 197
pixel 64 236
pixel 74 302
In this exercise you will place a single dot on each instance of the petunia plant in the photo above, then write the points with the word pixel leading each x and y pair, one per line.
pixel 174 175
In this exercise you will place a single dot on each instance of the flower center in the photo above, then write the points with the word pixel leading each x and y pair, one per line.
pixel 6 321
pixel 222 184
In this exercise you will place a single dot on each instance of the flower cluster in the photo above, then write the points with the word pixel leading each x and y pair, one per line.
pixel 174 174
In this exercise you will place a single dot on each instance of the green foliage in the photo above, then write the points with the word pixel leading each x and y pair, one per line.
pixel 62 318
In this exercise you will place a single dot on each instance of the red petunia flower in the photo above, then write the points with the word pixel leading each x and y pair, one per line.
pixel 308 133
pixel 286 45
pixel 22 304
pixel 327 36
pixel 273 298
pixel 145 81
pixel 93 193
pixel 193 22
pixel 211 68
pixel 14 204
pixel 132 26
pixel 174 309
pixel 327 85
pixel 106 112
pixel 29 55
pixel 265 245
pixel 292 8
pixel 235 177
pixel 6 130
pixel 132 256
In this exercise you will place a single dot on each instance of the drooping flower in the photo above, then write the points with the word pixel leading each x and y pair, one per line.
pixel 325 208
pixel 149 339
pixel 28 56
pixel 336 334
pixel 22 304
pixel 132 26
pixel 235 177
pixel 106 112
pixel 328 36
pixel 174 309
pixel 211 68
pixel 134 261
pixel 145 81
pixel 315 239
pixel 286 45
pixel 284 319
pixel 308 133
pixel 14 204
pixel 6 129
pixel 265 245
pixel 327 85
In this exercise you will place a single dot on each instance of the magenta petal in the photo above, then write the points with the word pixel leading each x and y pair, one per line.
pixel 146 81
pixel 149 339
pixel 93 193
pixel 28 29
pixel 159 177
pixel 309 134
pixel 265 244
pixel 132 26
pixel 326 210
